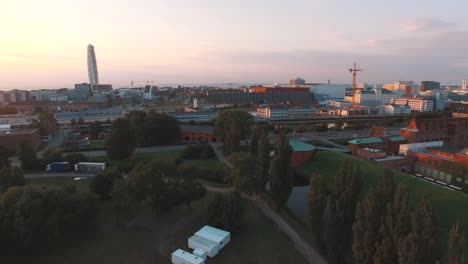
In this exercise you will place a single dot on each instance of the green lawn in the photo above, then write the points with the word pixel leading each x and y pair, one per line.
pixel 81 185
pixel 207 164
pixel 128 164
pixel 96 144
pixel 449 206
pixel 152 238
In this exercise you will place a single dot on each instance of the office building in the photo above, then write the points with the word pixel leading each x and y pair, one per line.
pixel 261 94
pixel 92 66
pixel 374 97
pixel 397 109
pixel 417 104
pixel 429 86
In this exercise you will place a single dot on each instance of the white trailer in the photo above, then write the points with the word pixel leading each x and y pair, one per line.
pixel 211 247
pixel 90 167
pixel 219 236
pixel 182 257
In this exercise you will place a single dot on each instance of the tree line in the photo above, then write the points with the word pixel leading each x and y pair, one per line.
pixel 140 129
pixel 381 228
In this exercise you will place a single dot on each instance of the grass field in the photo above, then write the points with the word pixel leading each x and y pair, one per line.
pixel 128 164
pixel 81 185
pixel 448 206
pixel 151 238
pixel 96 144
pixel 207 164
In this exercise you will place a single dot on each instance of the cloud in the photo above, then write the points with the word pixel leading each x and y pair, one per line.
pixel 426 25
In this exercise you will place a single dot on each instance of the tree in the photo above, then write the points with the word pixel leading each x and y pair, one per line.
pixel 163 185
pixel 73 122
pixel 4 157
pixel 456 245
pixel 75 157
pixel 159 129
pixel 198 151
pixel 317 198
pixel 11 176
pixel 281 180
pixel 233 126
pixel 120 142
pixel 103 183
pixel 94 129
pixel 242 173
pixel 137 121
pixel 254 138
pixel 226 211
pixel 262 169
pixel 338 124
pixel 80 122
pixel 53 154
pixel 123 201
pixel 27 156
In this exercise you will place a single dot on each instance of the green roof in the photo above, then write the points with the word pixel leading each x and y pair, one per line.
pixel 298 145
pixel 396 138
pixel 365 141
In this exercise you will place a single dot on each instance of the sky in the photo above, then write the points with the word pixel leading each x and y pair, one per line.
pixel 43 43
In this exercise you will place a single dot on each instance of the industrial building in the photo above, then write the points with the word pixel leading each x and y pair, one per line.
pixel 284 112
pixel 416 104
pixel 261 94
pixel 11 139
pixel 374 97
pixel 452 131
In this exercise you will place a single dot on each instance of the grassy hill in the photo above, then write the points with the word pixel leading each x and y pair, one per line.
pixel 448 206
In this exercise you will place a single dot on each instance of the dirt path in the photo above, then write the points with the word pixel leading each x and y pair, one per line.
pixel 309 253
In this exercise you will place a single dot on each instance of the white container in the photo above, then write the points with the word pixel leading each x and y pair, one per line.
pixel 211 247
pixel 182 257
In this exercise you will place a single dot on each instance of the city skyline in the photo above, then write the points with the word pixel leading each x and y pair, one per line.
pixel 205 42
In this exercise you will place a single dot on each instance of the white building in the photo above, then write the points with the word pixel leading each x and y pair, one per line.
pixel 374 97
pixel 182 257
pixel 464 85
pixel 341 104
pixel 397 109
pixel 417 104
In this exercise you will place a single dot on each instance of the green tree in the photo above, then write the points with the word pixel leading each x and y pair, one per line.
pixel 103 183
pixel 159 129
pixel 4 157
pixel 137 121
pixel 338 124
pixel 11 176
pixel 94 129
pixel 75 157
pixel 80 122
pixel 233 126
pixel 123 201
pixel 73 122
pixel 254 138
pixel 263 162
pixel 456 245
pixel 226 211
pixel 27 156
pixel 281 180
pixel 242 173
pixel 120 142
pixel 53 154
pixel 317 199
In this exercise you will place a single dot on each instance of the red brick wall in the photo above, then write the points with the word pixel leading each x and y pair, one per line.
pixel 299 157
pixel 12 142
pixel 199 137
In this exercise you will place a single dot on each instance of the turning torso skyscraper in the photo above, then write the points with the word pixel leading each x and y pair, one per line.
pixel 92 66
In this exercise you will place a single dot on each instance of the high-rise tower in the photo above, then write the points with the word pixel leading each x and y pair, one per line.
pixel 92 66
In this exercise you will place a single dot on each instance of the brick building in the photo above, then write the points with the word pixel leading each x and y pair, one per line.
pixel 301 152
pixel 440 163
pixel 11 139
pixel 452 131
pixel 260 94
pixel 199 134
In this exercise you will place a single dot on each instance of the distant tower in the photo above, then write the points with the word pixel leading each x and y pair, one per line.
pixel 92 66
pixel 465 85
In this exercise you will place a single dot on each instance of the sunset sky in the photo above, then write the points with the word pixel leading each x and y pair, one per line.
pixel 43 43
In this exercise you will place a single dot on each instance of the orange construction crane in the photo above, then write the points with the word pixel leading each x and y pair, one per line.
pixel 354 70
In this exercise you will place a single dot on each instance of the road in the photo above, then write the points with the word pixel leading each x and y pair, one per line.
pixel 309 253
pixel 34 175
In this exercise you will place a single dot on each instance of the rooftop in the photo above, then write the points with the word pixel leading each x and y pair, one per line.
pixel 198 129
pixel 365 140
pixel 16 132
pixel 298 145
pixel 396 138
pixel 389 158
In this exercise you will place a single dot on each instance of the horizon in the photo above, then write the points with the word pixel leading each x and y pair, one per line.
pixel 208 42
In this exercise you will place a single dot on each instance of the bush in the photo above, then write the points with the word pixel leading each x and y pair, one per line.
pixel 38 217
pixel 103 183
pixel 226 211
pixel 52 154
